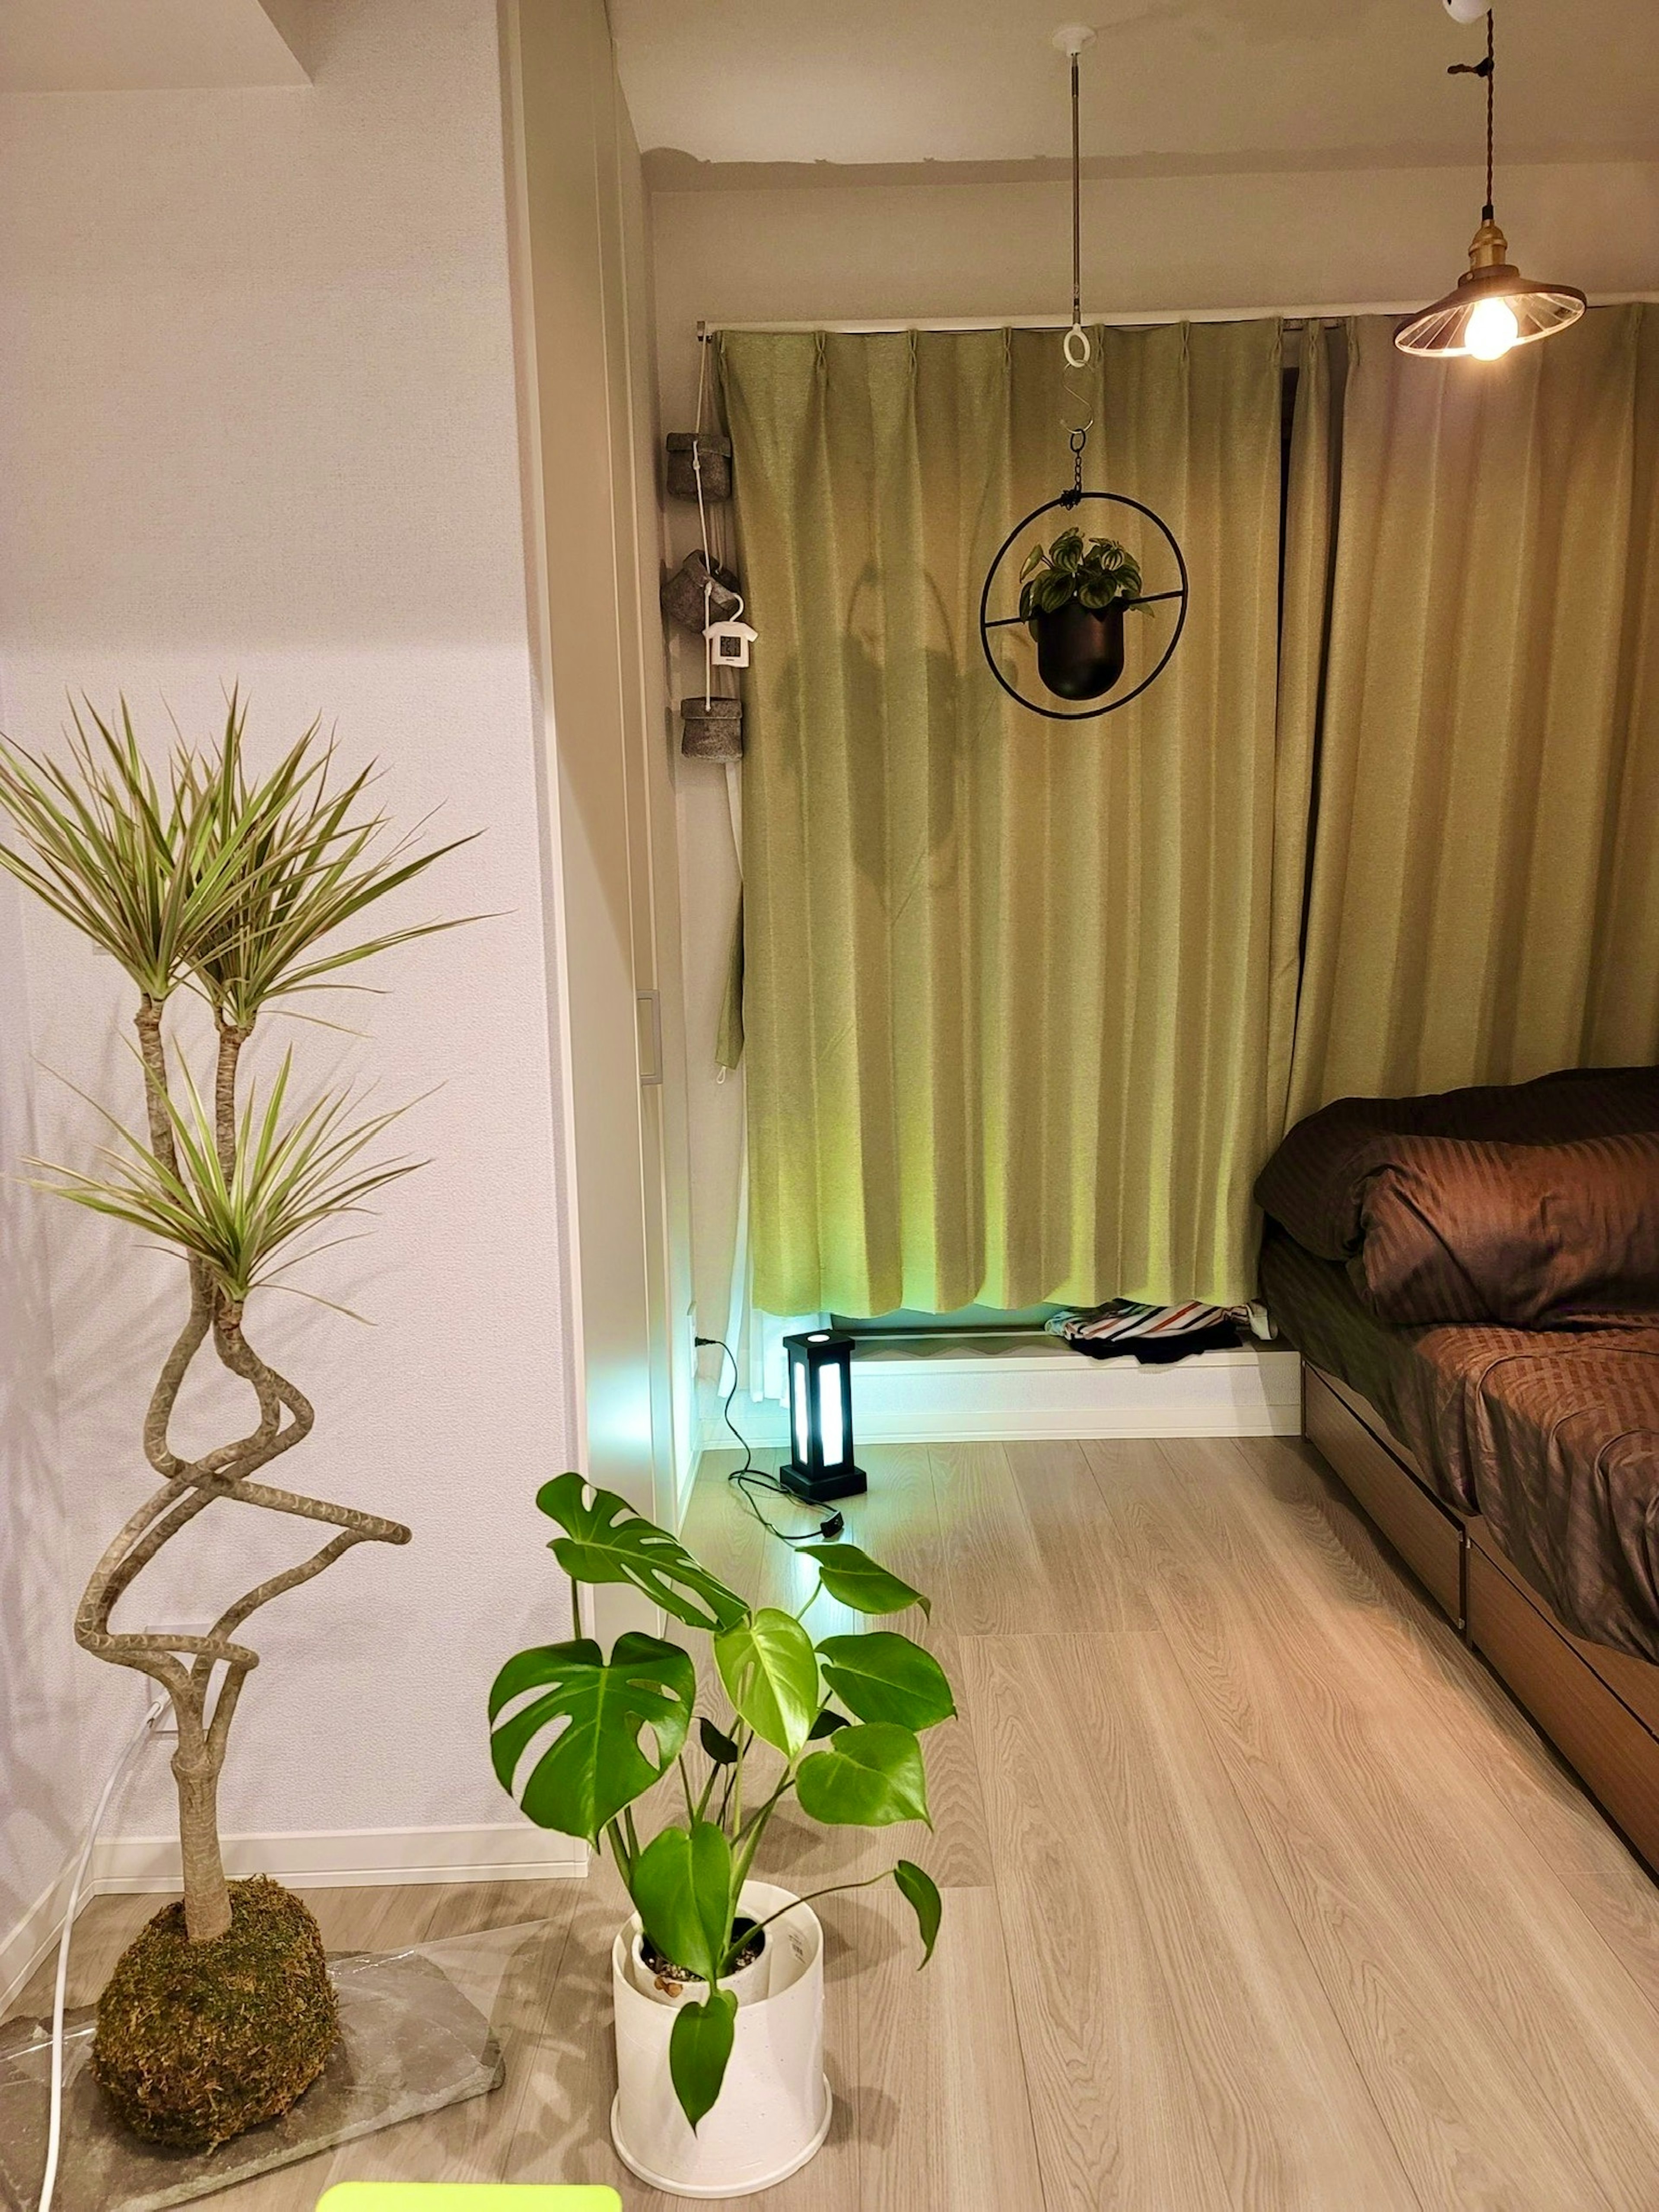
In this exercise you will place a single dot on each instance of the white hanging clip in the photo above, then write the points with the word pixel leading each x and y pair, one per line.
pixel 729 641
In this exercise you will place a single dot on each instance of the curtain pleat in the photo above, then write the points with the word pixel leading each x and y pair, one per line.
pixel 1017 994
pixel 1482 903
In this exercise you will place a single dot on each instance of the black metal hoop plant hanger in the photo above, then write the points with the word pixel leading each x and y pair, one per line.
pixel 1072 39
pixel 1070 501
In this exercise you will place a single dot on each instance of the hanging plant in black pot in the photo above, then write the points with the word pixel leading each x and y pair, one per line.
pixel 1074 596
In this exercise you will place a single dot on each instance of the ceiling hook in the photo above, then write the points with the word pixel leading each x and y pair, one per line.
pixel 1074 39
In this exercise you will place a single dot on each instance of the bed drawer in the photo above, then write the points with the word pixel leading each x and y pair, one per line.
pixel 1594 1731
pixel 1426 1536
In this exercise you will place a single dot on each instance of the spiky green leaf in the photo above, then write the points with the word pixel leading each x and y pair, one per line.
pixel 292 1173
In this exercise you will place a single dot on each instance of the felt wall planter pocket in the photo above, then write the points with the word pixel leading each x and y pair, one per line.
pixel 711 729
pixel 685 449
pixel 685 601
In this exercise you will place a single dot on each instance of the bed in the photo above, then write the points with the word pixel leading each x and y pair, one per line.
pixel 1515 1468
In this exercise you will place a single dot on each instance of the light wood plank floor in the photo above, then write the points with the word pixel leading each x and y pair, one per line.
pixel 1260 1892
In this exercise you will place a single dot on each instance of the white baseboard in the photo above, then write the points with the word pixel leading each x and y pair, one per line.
pixel 355 1859
pixel 352 1859
pixel 1050 1392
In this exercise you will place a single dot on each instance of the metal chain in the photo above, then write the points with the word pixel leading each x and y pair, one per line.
pixel 1079 438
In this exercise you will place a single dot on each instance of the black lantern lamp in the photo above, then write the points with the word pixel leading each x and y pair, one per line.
pixel 821 1419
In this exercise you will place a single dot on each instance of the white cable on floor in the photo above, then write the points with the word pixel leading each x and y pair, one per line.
pixel 55 2126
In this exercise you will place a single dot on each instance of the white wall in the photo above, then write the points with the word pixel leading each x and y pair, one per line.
pixel 834 251
pixel 42 1780
pixel 257 425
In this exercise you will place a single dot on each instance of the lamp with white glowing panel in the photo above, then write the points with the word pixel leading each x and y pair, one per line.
pixel 1494 307
pixel 821 1418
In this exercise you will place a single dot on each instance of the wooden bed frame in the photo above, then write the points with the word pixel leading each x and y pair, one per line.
pixel 1599 1708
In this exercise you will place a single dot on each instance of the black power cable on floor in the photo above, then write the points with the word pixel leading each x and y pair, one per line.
pixel 749 1479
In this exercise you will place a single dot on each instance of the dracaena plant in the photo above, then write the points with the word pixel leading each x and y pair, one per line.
pixel 1098 573
pixel 834 1725
pixel 212 881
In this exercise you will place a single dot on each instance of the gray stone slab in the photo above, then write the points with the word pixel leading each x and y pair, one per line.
pixel 411 2041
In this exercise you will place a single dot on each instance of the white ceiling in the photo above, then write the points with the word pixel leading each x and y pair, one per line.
pixel 1170 83
pixel 144 45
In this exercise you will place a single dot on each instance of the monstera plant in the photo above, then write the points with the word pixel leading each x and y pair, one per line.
pixel 231 889
pixel 833 1726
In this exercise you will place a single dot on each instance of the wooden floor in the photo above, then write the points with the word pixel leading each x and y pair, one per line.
pixel 1259 1891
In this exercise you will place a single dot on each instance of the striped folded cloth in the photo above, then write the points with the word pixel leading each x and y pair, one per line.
pixel 1155 1335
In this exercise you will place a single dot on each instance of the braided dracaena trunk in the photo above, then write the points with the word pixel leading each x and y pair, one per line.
pixel 185 1666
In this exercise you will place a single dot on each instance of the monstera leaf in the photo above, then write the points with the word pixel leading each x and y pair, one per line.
pixel 883 1677
pixel 605 1540
pixel 612 1710
pixel 682 1886
pixel 699 2046
pixel 771 1675
pixel 854 1579
pixel 921 1893
pixel 868 1777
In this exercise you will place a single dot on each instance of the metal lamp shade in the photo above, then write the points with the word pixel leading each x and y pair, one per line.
pixel 821 1465
pixel 1442 331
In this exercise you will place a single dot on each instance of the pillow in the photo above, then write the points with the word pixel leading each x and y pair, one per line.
pixel 1530 1236
pixel 1314 1183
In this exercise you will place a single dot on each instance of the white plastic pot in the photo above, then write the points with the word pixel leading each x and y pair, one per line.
pixel 774 2109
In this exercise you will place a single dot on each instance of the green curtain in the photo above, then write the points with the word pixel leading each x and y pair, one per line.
pixel 1484 890
pixel 1016 1001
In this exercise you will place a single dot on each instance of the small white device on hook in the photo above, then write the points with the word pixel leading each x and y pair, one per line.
pixel 729 641
pixel 1466 11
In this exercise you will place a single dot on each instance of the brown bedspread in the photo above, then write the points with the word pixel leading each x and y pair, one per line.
pixel 1553 1436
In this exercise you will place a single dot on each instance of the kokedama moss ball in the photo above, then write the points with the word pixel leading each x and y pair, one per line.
pixel 198 2042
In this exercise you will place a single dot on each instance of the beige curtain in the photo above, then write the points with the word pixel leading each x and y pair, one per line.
pixel 1016 998
pixel 1484 888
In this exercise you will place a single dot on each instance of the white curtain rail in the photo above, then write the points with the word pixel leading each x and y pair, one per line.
pixel 1293 318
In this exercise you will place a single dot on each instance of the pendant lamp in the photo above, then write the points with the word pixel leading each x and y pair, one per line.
pixel 1494 307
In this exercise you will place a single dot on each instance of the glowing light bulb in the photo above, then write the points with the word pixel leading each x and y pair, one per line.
pixel 1493 330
